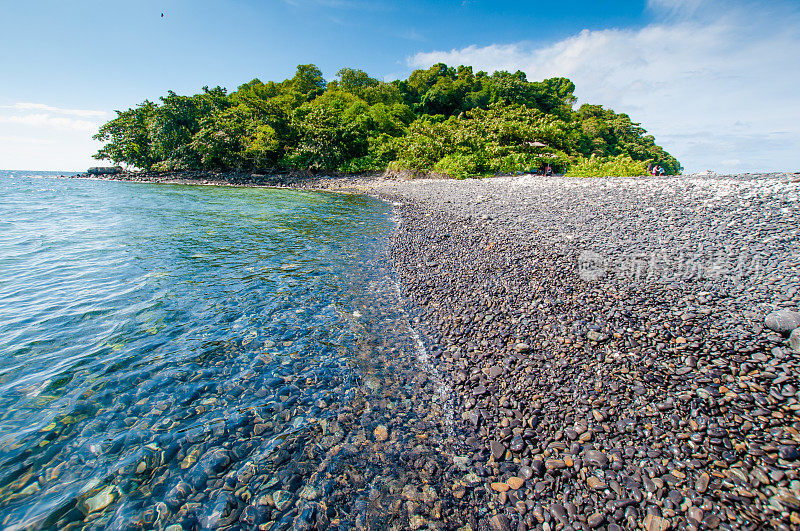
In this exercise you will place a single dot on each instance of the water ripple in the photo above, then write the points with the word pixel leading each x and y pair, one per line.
pixel 149 332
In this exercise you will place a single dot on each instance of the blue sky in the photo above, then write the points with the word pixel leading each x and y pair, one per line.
pixel 714 81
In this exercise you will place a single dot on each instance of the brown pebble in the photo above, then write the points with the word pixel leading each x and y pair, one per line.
pixel 381 433
pixel 595 483
pixel 500 486
pixel 655 523
pixel 515 482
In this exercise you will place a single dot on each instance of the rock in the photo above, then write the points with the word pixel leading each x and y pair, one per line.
pixel 99 501
pixel 655 523
pixel 522 347
pixel 499 486
pixel 696 514
pixel 461 462
pixel 702 483
pixel 560 514
pixel 515 482
pixel 499 522
pixel 783 321
pixel 666 405
pixel 416 521
pixel 495 371
pixel 104 170
pixel 595 483
pixel 788 499
pixel 596 520
pixel 595 458
pixel 789 452
pixel 794 340
pixel 283 499
pixel 554 464
pixel 381 433
pixel 373 383
pixel 497 449
pixel 594 335
pixel 308 492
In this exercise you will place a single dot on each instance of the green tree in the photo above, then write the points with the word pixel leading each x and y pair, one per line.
pixel 127 137
pixel 441 119
pixel 308 80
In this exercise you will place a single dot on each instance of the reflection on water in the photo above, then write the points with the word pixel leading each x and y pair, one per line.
pixel 199 357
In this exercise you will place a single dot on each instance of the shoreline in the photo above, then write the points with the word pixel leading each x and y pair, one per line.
pixel 592 396
pixel 607 399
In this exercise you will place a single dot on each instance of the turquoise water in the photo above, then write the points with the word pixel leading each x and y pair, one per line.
pixel 160 343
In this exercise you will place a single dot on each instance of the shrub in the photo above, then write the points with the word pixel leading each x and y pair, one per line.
pixel 619 166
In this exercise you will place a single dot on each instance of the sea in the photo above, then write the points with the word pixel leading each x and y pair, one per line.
pixel 184 357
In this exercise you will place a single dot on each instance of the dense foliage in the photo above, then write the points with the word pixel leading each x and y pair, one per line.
pixel 618 166
pixel 445 120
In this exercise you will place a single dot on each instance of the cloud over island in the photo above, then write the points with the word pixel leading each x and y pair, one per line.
pixel 53 138
pixel 716 83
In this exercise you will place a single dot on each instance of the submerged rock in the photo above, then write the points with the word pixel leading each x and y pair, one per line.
pixel 101 500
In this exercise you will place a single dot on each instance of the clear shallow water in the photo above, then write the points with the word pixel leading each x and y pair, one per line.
pixel 194 356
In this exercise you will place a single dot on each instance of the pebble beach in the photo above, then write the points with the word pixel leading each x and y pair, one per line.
pixel 546 353
pixel 618 351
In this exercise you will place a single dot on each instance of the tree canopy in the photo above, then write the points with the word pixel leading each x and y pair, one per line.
pixel 441 119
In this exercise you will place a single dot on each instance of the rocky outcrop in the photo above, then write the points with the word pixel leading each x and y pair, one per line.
pixel 104 170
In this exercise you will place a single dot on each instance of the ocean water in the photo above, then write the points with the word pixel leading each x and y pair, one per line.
pixel 195 356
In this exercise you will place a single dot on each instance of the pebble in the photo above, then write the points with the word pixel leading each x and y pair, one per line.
pixel 794 340
pixel 656 523
pixel 497 449
pixel 381 433
pixel 595 483
pixel 595 458
pixel 101 500
pixel 596 336
pixel 499 522
pixel 702 482
pixel 500 486
pixel 515 482
pixel 783 321
pixel 633 396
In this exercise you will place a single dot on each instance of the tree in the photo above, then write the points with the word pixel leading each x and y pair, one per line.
pixel 445 119
pixel 308 80
pixel 128 137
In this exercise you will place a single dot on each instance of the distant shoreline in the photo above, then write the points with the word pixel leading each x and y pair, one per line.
pixel 344 182
pixel 350 183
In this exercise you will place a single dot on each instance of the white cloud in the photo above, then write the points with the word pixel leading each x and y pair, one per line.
pixel 48 120
pixel 714 84
pixel 23 106
pixel 38 136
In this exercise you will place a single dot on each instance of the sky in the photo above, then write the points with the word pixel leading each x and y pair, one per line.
pixel 716 82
